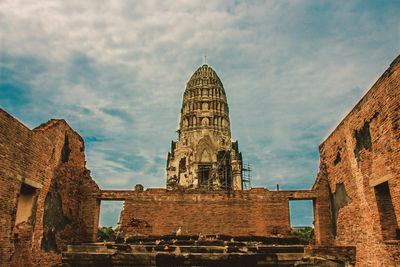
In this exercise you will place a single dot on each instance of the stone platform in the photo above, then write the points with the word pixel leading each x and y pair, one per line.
pixel 187 251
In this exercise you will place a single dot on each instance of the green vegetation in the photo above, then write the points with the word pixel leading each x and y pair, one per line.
pixel 105 234
pixel 304 234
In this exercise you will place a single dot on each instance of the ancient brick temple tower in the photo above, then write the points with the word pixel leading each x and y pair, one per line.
pixel 204 157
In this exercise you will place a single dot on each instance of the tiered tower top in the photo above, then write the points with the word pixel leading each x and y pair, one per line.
pixel 204 157
pixel 204 104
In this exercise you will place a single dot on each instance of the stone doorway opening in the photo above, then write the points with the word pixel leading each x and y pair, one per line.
pixel 387 216
pixel 301 213
pixel 204 174
pixel 110 212
pixel 25 206
pixel 302 219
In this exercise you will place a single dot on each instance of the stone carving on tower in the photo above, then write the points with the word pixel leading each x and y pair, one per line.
pixel 204 157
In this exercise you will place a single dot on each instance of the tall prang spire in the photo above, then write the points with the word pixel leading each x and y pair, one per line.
pixel 204 156
pixel 204 104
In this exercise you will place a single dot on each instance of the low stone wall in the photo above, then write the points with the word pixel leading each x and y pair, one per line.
pixel 257 212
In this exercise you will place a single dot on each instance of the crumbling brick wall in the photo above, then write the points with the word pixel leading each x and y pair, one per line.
pixel 358 184
pixel 44 186
pixel 239 213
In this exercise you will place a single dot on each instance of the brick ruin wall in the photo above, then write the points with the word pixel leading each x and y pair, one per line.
pixel 358 184
pixel 257 212
pixel 44 186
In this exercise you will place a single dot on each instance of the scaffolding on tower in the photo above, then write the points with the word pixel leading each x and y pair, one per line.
pixel 246 176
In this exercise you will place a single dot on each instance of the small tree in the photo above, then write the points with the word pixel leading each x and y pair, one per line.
pixel 304 234
pixel 105 234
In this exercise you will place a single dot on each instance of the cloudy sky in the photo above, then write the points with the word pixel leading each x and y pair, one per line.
pixel 116 71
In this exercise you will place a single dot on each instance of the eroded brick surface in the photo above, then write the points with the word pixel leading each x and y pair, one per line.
pixel 45 168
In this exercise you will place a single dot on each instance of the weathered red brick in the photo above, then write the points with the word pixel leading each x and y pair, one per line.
pixel 362 156
pixel 49 161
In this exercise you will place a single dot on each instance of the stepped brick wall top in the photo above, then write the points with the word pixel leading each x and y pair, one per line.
pixel 43 188
pixel 358 184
